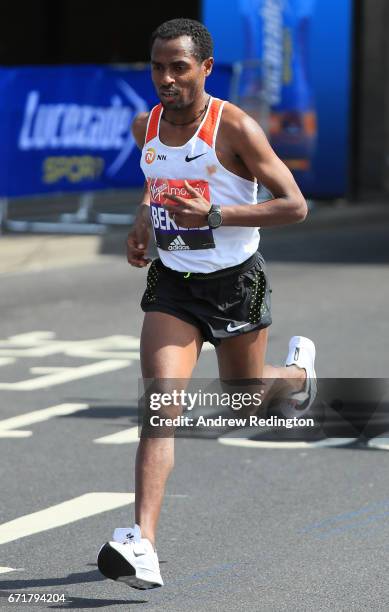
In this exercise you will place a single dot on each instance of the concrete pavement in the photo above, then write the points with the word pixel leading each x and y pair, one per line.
pixel 23 252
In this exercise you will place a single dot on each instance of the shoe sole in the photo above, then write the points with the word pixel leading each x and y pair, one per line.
pixel 113 566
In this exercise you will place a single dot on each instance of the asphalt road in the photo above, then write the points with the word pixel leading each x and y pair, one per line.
pixel 242 528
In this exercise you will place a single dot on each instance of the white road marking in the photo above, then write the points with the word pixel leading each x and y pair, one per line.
pixel 6 361
pixel 326 443
pixel 32 344
pixel 37 416
pixel 127 436
pixel 116 352
pixel 29 338
pixel 64 376
pixel 15 434
pixel 379 442
pixel 261 444
pixel 48 369
pixel 43 344
pixel 67 512
pixel 5 570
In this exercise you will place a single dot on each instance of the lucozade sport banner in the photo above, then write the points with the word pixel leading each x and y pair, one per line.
pixel 68 128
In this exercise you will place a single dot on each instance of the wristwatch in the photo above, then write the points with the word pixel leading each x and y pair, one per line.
pixel 215 218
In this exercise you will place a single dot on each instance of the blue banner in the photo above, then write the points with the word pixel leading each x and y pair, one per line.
pixel 304 46
pixel 68 128
pixel 277 34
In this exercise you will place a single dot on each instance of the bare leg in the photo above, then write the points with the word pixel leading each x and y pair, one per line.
pixel 244 357
pixel 169 349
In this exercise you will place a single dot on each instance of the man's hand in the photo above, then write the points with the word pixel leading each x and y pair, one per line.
pixel 188 212
pixel 138 239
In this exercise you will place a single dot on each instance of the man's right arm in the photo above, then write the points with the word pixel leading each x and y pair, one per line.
pixel 139 235
pixel 139 127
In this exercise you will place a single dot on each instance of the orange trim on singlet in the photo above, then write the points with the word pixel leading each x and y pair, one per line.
pixel 152 128
pixel 208 128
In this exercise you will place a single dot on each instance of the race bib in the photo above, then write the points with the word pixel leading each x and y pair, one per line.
pixel 168 235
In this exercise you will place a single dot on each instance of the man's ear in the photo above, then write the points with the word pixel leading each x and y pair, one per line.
pixel 208 65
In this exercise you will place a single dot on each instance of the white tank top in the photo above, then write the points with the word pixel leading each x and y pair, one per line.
pixel 165 168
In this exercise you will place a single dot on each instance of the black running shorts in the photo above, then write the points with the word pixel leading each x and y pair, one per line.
pixel 221 304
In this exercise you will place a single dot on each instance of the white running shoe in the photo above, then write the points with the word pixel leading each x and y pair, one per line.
pixel 131 559
pixel 302 354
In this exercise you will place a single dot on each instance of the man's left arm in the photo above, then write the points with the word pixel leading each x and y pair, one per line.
pixel 288 204
pixel 248 141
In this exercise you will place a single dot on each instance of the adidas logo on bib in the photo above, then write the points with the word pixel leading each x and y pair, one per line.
pixel 178 245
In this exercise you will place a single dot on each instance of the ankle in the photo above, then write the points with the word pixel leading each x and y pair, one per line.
pixel 148 535
pixel 298 376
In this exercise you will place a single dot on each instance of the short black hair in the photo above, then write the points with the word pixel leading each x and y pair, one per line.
pixel 202 39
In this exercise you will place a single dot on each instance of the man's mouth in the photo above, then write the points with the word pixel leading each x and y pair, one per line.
pixel 168 94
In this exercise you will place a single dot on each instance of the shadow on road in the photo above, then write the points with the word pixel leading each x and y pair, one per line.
pixel 75 578
pixel 12 586
pixel 79 603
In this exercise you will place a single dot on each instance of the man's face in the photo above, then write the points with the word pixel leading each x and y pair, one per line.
pixel 177 74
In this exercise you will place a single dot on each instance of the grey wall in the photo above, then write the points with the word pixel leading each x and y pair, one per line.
pixel 386 165
pixel 372 106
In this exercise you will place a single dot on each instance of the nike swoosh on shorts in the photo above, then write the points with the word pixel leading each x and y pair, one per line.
pixel 231 329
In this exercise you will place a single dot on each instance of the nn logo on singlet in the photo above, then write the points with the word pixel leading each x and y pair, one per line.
pixel 178 245
pixel 151 154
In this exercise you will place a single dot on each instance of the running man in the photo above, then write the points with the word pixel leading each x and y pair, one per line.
pixel 203 159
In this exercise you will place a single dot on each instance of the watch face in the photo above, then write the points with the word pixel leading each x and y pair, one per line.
pixel 214 219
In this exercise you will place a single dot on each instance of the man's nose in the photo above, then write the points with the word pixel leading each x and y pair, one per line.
pixel 167 78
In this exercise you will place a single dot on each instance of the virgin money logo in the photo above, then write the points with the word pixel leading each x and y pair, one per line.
pixel 161 187
pixel 90 127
